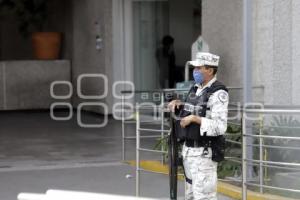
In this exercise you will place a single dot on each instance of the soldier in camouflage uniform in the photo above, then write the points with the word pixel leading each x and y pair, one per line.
pixel 200 169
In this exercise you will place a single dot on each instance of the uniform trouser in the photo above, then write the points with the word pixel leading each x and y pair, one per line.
pixel 203 173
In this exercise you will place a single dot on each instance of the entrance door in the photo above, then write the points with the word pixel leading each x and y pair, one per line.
pixel 149 22
pixel 138 28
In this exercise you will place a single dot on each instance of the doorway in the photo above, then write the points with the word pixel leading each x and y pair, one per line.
pixel 140 26
pixel 149 24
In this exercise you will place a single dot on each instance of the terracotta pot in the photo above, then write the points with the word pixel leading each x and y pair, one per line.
pixel 46 45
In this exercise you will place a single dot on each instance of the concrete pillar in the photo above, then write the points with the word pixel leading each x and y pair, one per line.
pixel 276 49
pixel 263 48
pixel 296 52
pixel 86 59
pixel 282 57
pixel 222 28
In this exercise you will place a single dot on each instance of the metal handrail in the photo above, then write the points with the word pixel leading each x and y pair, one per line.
pixel 272 137
pixel 283 127
pixel 150 150
pixel 144 136
pixel 272 187
pixel 275 167
pixel 139 149
pixel 269 109
pixel 274 147
pixel 273 162
pixel 153 130
pixel 233 142
pixel 180 90
pixel 266 109
pixel 162 130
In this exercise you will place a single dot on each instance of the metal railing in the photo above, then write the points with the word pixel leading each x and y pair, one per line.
pixel 162 93
pixel 262 163
pixel 160 108
pixel 242 160
pixel 140 149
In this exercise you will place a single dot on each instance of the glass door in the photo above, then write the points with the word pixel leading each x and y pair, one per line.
pixel 150 23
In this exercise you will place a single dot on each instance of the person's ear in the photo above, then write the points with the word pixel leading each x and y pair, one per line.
pixel 211 71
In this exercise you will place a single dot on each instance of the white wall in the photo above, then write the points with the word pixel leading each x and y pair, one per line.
pixel 276 46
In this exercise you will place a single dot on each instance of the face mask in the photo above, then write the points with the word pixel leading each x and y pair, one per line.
pixel 198 77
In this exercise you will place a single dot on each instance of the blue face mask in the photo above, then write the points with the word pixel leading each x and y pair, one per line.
pixel 198 76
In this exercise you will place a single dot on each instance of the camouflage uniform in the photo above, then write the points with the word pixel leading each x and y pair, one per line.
pixel 199 167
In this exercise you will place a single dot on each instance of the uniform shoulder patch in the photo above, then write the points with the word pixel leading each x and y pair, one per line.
pixel 223 96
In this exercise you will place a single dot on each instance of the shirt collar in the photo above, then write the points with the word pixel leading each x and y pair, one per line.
pixel 199 86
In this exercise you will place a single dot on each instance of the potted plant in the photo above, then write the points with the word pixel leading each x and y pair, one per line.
pixel 31 16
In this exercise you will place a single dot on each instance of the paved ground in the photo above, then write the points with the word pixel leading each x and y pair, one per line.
pixel 101 178
pixel 37 154
pixel 34 138
pixel 109 178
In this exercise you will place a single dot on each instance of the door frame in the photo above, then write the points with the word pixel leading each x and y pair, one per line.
pixel 122 58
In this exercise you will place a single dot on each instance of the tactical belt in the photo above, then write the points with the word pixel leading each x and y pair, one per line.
pixel 196 143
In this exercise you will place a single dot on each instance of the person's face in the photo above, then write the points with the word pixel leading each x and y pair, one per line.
pixel 206 72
